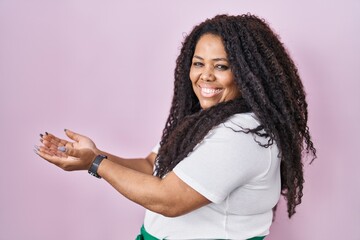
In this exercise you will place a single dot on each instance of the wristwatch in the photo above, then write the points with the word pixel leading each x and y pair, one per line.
pixel 95 165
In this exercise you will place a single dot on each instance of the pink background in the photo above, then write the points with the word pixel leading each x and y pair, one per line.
pixel 105 69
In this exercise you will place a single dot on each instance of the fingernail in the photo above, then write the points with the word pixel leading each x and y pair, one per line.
pixel 36 147
pixel 65 129
pixel 46 133
pixel 62 149
pixel 41 135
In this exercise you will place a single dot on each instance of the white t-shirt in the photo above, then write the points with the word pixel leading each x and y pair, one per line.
pixel 240 178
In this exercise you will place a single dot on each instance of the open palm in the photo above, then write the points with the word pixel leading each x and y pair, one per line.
pixel 68 155
pixel 52 142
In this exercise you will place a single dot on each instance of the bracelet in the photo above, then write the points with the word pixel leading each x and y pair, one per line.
pixel 95 165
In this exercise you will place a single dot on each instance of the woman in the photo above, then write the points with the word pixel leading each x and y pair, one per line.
pixel 233 141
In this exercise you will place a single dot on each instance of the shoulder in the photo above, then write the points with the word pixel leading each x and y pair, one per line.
pixel 242 120
pixel 239 122
pixel 236 127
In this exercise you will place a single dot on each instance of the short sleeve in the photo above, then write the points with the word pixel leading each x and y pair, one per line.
pixel 225 160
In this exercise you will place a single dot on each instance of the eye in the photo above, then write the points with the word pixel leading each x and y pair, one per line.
pixel 198 64
pixel 222 67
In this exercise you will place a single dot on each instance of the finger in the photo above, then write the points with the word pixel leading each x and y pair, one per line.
pixel 72 135
pixel 49 135
pixel 49 144
pixel 44 150
pixel 61 161
pixel 53 147
pixel 49 154
pixel 50 151
pixel 51 139
pixel 70 151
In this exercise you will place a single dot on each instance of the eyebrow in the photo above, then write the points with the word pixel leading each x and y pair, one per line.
pixel 214 59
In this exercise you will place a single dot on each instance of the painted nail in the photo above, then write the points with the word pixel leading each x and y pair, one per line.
pixel 46 133
pixel 65 130
pixel 62 149
pixel 41 135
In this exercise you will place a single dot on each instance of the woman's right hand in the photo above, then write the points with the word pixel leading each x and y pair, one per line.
pixel 68 155
pixel 79 142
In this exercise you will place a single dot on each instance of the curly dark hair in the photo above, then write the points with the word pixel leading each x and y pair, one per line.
pixel 270 87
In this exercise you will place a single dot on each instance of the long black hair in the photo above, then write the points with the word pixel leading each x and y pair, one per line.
pixel 270 87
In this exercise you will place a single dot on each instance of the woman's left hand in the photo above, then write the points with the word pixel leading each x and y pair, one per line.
pixel 66 157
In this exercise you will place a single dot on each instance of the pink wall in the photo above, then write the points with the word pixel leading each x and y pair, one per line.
pixel 104 68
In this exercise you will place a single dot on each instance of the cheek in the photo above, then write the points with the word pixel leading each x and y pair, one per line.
pixel 192 76
pixel 228 81
pixel 231 86
pixel 234 89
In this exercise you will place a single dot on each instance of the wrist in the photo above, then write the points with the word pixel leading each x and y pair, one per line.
pixel 93 170
pixel 98 152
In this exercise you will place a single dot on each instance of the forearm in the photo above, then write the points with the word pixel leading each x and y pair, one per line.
pixel 168 196
pixel 144 165
pixel 138 187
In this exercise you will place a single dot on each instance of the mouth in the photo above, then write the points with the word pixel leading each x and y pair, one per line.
pixel 209 92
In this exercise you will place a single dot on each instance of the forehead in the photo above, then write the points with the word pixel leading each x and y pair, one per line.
pixel 210 44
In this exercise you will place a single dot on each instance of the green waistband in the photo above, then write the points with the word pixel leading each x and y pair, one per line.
pixel 257 238
pixel 144 235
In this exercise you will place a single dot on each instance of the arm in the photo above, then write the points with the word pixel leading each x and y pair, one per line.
pixel 144 165
pixel 52 142
pixel 169 196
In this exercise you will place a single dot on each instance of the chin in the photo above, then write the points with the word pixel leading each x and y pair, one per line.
pixel 207 105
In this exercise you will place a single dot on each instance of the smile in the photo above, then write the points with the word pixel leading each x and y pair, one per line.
pixel 210 92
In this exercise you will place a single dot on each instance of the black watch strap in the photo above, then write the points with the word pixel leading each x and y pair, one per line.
pixel 95 165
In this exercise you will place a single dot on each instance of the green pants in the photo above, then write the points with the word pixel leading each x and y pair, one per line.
pixel 144 235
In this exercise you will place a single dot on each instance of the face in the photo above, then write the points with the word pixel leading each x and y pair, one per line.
pixel 210 73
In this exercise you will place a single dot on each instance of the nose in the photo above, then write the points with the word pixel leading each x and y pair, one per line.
pixel 207 75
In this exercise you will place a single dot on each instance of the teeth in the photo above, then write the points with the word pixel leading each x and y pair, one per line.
pixel 210 90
